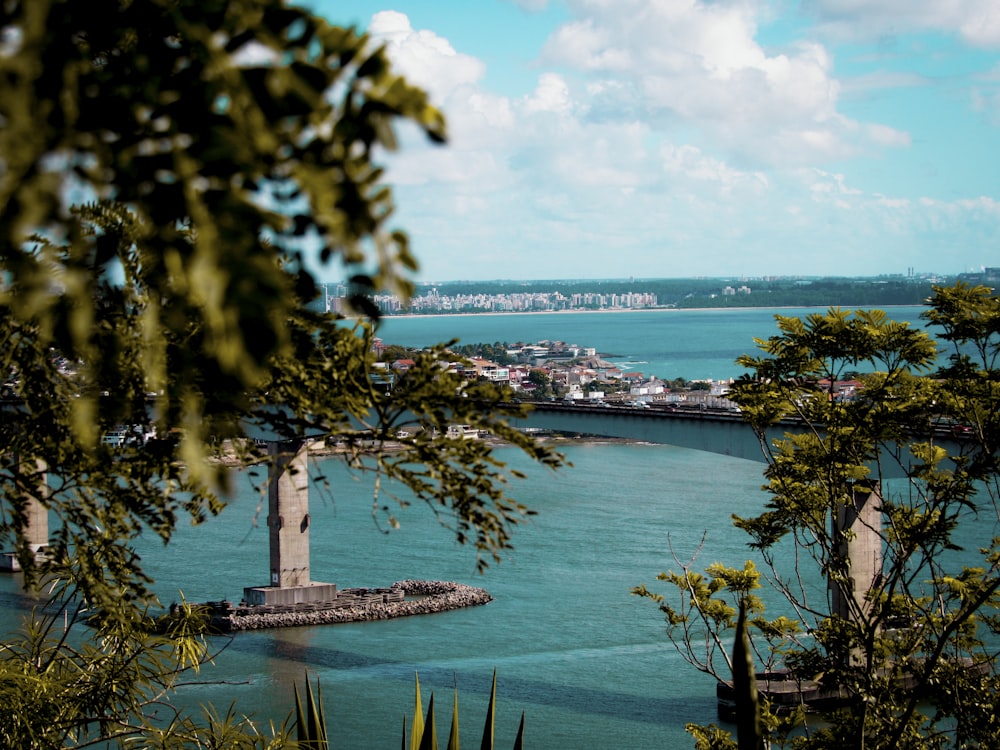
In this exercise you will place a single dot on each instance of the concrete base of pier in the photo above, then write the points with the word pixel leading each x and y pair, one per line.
pixel 786 693
pixel 283 595
pixel 402 599
pixel 10 564
pixel 783 691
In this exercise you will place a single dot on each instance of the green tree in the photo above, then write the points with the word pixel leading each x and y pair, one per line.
pixel 891 607
pixel 392 352
pixel 167 167
pixel 543 381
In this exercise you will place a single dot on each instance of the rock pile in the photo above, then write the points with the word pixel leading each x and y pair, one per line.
pixel 402 599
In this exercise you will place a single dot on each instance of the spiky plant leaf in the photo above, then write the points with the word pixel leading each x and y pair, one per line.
pixel 487 743
pixel 300 720
pixel 519 740
pixel 417 732
pixel 453 739
pixel 310 720
pixel 429 740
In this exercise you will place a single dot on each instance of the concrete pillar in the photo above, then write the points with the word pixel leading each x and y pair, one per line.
pixel 857 525
pixel 288 514
pixel 36 531
pixel 288 524
pixel 36 526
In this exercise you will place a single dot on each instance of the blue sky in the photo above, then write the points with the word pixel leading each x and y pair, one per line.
pixel 674 138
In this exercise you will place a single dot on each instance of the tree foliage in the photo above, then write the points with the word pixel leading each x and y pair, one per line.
pixel 905 648
pixel 172 175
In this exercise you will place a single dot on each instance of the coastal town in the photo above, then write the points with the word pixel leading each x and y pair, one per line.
pixel 557 371
pixel 634 294
pixel 434 302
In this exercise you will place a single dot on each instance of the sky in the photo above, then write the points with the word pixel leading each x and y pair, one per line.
pixel 681 138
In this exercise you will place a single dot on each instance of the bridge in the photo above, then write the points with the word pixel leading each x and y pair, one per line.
pixel 725 432
pixel 713 430
pixel 719 431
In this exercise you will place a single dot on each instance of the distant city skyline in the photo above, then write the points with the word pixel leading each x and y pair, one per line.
pixel 682 138
pixel 551 295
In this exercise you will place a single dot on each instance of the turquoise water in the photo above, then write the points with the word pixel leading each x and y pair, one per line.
pixel 587 662
pixel 693 344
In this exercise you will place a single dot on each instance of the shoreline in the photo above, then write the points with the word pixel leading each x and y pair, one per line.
pixel 319 448
pixel 616 310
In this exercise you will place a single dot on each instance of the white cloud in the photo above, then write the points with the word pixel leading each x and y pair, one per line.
pixel 664 64
pixel 426 59
pixel 894 203
pixel 887 136
pixel 975 21
pixel 495 111
pixel 985 97
pixel 476 118
pixel 982 27
pixel 827 183
pixel 551 95
pixel 532 6
pixel 689 163
pixel 984 205
pixel 880 80
pixel 585 46
pixel 700 63
pixel 660 138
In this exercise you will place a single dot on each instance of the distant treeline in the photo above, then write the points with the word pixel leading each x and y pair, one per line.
pixel 709 292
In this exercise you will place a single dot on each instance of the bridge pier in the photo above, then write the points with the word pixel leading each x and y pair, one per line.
pixel 288 530
pixel 857 527
pixel 36 527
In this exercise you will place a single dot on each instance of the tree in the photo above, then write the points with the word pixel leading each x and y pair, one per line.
pixel 890 610
pixel 543 382
pixel 167 168
pixel 392 352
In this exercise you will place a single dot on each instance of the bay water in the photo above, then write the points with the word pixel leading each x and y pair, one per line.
pixel 692 344
pixel 587 662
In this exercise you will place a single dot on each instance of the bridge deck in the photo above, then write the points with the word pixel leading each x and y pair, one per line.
pixel 711 430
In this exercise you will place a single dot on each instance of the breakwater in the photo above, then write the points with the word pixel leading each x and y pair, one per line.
pixel 401 599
